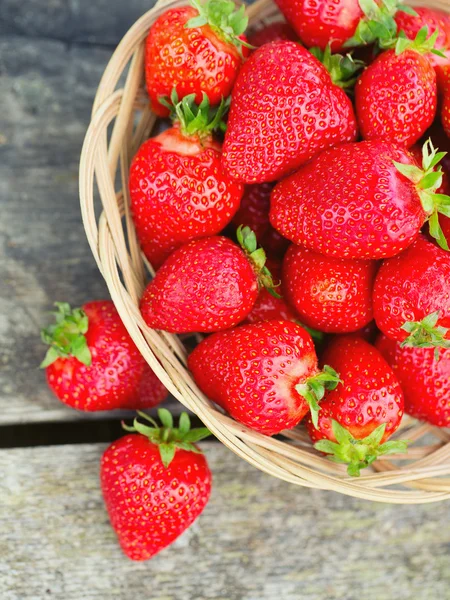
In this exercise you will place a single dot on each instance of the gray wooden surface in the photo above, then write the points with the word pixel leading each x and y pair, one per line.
pixel 258 539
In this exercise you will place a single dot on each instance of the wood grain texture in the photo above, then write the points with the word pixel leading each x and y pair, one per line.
pixel 258 539
pixel 47 90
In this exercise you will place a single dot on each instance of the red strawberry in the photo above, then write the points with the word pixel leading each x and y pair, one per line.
pixel 435 20
pixel 178 189
pixel 333 295
pixel 285 108
pixel 265 375
pixel 254 213
pixel 445 110
pixel 207 285
pixel 425 381
pixel 396 96
pixel 274 32
pixel 269 307
pixel 194 50
pixel 92 363
pixel 155 484
pixel 363 411
pixel 411 296
pixel 356 201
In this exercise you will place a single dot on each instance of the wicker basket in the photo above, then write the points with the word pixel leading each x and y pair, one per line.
pixel 121 121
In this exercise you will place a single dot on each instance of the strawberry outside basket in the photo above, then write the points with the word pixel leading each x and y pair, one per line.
pixel 121 121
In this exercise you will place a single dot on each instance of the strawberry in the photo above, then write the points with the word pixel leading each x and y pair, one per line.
pixel 265 375
pixel 333 295
pixel 435 20
pixel 253 212
pixel 411 296
pixel 194 49
pixel 92 363
pixel 340 23
pixel 445 110
pixel 285 108
pixel 178 189
pixel 363 411
pixel 155 483
pixel 206 285
pixel 425 381
pixel 365 200
pixel 274 32
pixel 396 96
pixel 269 307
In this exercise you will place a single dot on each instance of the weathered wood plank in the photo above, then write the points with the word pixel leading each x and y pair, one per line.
pixel 258 539
pixel 46 96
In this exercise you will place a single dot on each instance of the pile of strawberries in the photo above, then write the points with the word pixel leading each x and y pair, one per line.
pixel 297 210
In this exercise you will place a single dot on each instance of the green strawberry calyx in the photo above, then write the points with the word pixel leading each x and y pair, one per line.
pixel 378 24
pixel 343 69
pixel 167 437
pixel 66 336
pixel 426 333
pixel 257 256
pixel 313 390
pixel 421 43
pixel 227 21
pixel 199 120
pixel 358 454
pixel 427 180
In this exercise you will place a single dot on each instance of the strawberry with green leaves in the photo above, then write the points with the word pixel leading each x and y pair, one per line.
pixel 333 295
pixel 178 188
pixel 396 96
pixel 93 364
pixel 424 377
pixel 358 417
pixel 411 296
pixel 264 375
pixel 195 49
pixel 341 23
pixel 285 108
pixel 367 200
pixel 155 483
pixel 207 285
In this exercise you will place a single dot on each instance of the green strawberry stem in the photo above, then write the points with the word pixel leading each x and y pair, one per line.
pixel 228 22
pixel 66 337
pixel 199 120
pixel 342 69
pixel 427 180
pixel 358 454
pixel 425 333
pixel 257 256
pixel 421 43
pixel 313 390
pixel 378 25
pixel 167 437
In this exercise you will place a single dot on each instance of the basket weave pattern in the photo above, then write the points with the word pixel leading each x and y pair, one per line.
pixel 121 121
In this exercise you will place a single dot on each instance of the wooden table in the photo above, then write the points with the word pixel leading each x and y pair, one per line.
pixel 258 538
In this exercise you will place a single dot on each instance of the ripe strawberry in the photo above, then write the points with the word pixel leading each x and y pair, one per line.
pixel 411 296
pixel 341 23
pixel 396 96
pixel 155 484
pixel 363 411
pixel 285 108
pixel 194 49
pixel 92 363
pixel 254 213
pixel 265 375
pixel 206 285
pixel 178 189
pixel 366 200
pixel 269 307
pixel 274 32
pixel 435 20
pixel 333 295
pixel 425 381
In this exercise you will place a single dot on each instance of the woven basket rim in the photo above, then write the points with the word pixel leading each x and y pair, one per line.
pixel 123 268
